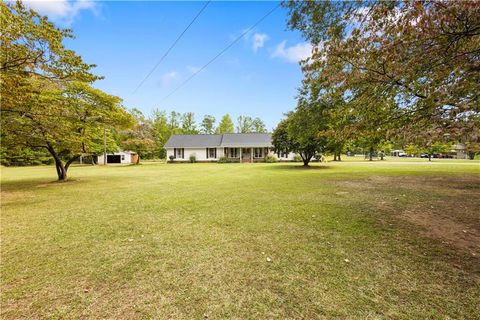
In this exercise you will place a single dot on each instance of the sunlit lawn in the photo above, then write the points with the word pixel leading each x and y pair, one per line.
pixel 392 239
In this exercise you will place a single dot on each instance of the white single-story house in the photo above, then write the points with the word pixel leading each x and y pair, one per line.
pixel 236 147
pixel 119 157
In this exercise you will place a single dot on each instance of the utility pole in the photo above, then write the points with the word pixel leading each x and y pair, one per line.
pixel 104 146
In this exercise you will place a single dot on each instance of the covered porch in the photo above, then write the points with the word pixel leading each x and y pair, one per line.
pixel 246 154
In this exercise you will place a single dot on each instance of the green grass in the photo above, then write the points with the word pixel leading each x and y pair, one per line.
pixel 348 240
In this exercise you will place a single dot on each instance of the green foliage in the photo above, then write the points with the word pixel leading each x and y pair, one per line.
pixel 280 139
pixel 246 124
pixel 297 158
pixel 223 160
pixel 271 159
pixel 258 126
pixel 208 124
pixel 140 138
pixel 188 123
pixel 402 67
pixel 161 132
pixel 32 46
pixel 413 150
pixel 193 158
pixel 225 125
pixel 48 102
pixel 24 157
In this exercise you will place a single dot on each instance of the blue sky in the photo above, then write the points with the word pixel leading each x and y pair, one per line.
pixel 258 76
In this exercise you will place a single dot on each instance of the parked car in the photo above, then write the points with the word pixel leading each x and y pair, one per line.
pixel 424 155
pixel 402 154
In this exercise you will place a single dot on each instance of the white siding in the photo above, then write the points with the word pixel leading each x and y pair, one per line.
pixel 200 154
pixel 126 157
pixel 289 157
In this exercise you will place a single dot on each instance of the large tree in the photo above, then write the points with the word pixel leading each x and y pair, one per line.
pixel 32 45
pixel 225 125
pixel 304 130
pixel 140 138
pixel 208 124
pixel 67 121
pixel 188 123
pixel 244 124
pixel 258 126
pixel 420 57
pixel 47 98
pixel 161 132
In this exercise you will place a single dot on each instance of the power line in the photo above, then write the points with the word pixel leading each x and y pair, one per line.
pixel 221 52
pixel 171 47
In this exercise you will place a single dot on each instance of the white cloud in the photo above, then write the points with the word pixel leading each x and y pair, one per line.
pixel 292 54
pixel 63 11
pixel 258 41
pixel 169 78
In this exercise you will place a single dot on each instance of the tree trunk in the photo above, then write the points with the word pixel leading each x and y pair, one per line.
pixel 138 159
pixel 334 156
pixel 306 159
pixel 339 156
pixel 371 154
pixel 429 157
pixel 61 171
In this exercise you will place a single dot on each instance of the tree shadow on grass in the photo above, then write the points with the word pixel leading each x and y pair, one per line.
pixel 299 167
pixel 25 185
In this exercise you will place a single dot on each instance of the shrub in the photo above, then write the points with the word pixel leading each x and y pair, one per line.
pixel 193 158
pixel 297 158
pixel 223 160
pixel 271 158
pixel 171 157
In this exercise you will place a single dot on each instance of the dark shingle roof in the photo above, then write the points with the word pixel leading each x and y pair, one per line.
pixel 220 140
pixel 193 140
pixel 246 140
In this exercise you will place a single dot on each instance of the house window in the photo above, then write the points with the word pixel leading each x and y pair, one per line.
pixel 211 153
pixel 123 157
pixel 233 152
pixel 179 153
pixel 258 152
pixel 282 154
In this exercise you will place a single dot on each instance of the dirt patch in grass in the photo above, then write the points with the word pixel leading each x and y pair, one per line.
pixel 444 208
pixel 459 235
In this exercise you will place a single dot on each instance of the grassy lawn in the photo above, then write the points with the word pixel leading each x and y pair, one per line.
pixel 392 239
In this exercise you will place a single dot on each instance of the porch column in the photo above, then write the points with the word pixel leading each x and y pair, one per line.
pixel 240 155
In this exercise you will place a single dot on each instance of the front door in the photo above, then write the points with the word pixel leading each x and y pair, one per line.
pixel 246 155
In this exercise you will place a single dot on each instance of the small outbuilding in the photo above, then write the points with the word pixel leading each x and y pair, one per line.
pixel 398 153
pixel 459 151
pixel 124 157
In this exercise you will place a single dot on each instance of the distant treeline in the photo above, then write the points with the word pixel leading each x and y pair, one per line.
pixel 147 137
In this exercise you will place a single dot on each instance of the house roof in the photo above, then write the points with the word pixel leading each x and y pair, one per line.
pixel 246 140
pixel 193 140
pixel 220 140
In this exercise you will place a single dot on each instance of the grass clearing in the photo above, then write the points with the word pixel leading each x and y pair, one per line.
pixel 393 239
